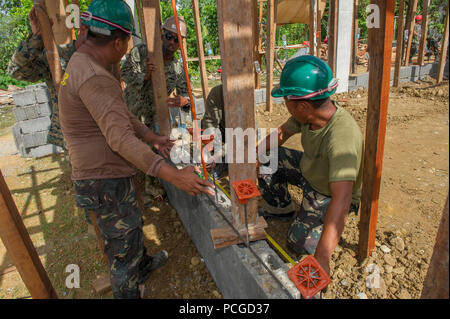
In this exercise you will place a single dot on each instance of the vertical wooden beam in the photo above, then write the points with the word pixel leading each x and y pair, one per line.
pixel 50 45
pixel 410 25
pixel 270 52
pixel 152 24
pixel 236 45
pixel 318 30
pixel 332 34
pixel 256 41
pixel 380 42
pixel 140 13
pixel 443 55
pixel 424 31
pixel 354 38
pixel 20 247
pixel 437 279
pixel 312 27
pixel 201 52
pixel 56 10
pixel 399 46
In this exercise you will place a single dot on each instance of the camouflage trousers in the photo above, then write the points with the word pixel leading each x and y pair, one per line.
pixel 55 135
pixel 306 229
pixel 114 205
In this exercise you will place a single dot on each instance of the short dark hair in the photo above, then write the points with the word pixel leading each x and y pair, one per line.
pixel 102 40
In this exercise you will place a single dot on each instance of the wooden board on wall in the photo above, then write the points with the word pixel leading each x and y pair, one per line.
pixel 295 11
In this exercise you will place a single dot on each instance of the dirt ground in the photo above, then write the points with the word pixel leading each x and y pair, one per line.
pixel 413 193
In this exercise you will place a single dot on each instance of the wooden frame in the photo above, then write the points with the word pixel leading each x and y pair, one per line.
pixel 313 27
pixel 399 46
pixel 20 247
pixel 201 53
pixel 410 22
pixel 443 54
pixel 332 34
pixel 270 52
pixel 423 36
pixel 380 42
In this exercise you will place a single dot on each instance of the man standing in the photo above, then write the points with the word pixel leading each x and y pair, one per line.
pixel 136 73
pixel 329 171
pixel 104 142
pixel 29 63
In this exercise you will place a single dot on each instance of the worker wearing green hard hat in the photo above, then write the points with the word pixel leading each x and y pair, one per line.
pixel 329 170
pixel 107 144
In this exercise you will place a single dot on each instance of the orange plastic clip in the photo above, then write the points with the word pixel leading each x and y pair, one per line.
pixel 309 277
pixel 245 190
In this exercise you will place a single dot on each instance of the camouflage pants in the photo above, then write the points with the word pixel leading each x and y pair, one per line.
pixel 305 232
pixel 114 205
pixel 55 135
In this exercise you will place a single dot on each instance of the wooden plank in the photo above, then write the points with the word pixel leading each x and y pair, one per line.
pixel 436 282
pixel 332 35
pixel 140 13
pixel 20 247
pixel 256 40
pixel 354 38
pixel 152 23
pixel 226 236
pixel 443 55
pixel 50 45
pixel 312 27
pixel 399 47
pixel 318 30
pixel 270 52
pixel 201 53
pixel 56 11
pixel 380 42
pixel 424 32
pixel 207 58
pixel 410 26
pixel 236 45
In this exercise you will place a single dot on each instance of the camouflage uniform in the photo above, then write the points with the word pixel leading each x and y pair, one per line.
pixel 114 205
pixel 140 100
pixel 139 92
pixel 304 233
pixel 29 63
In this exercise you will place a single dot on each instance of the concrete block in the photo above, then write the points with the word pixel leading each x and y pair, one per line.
pixel 19 114
pixel 237 273
pixel 25 97
pixel 42 95
pixel 44 150
pixel 362 80
pixel 200 107
pixel 405 71
pixel 35 139
pixel 35 125
pixel 30 112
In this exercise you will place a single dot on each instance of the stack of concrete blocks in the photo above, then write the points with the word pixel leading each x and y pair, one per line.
pixel 32 113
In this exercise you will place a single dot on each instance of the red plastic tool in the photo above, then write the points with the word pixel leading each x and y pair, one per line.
pixel 245 190
pixel 309 277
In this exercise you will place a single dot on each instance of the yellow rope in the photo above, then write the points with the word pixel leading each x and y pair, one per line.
pixel 272 241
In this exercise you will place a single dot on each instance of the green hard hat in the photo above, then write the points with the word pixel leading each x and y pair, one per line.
pixel 307 78
pixel 104 16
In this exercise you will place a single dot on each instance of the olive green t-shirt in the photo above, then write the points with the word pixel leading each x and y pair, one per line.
pixel 332 153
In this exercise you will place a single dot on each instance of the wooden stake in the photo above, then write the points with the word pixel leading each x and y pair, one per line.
pixel 332 35
pixel 437 281
pixel 140 12
pixel 410 25
pixel 443 55
pixel 56 10
pixel 424 32
pixel 312 27
pixel 201 53
pixel 20 247
pixel 399 46
pixel 270 52
pixel 318 30
pixel 380 42
pixel 152 23
pixel 50 45
pixel 236 45
pixel 256 39
pixel 354 37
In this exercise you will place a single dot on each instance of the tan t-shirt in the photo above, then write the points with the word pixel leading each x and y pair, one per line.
pixel 102 136
pixel 332 153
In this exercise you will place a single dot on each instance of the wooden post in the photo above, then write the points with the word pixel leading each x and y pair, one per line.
pixel 312 27
pixel 437 281
pixel 50 45
pixel 354 38
pixel 152 24
pixel 424 31
pixel 270 52
pixel 20 247
pixel 380 42
pixel 236 45
pixel 318 30
pixel 57 12
pixel 410 25
pixel 332 34
pixel 443 55
pixel 201 53
pixel 140 13
pixel 256 42
pixel 399 46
